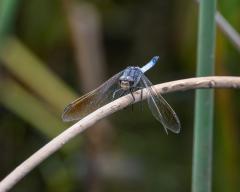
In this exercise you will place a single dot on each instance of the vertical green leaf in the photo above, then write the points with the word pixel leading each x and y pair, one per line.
pixel 203 125
pixel 7 12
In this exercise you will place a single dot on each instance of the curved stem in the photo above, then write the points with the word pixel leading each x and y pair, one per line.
pixel 180 85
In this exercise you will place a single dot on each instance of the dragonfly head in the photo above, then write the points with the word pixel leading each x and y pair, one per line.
pixel 126 82
pixel 125 85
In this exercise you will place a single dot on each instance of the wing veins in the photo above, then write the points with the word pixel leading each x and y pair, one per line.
pixel 91 101
pixel 164 110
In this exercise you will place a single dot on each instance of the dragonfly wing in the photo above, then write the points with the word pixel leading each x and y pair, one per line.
pixel 92 100
pixel 160 109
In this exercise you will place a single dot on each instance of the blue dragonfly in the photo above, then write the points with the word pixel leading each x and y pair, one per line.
pixel 127 81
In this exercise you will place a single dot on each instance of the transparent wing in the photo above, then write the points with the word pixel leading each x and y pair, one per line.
pixel 160 109
pixel 92 100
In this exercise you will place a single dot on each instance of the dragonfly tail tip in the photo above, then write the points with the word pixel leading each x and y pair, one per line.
pixel 155 59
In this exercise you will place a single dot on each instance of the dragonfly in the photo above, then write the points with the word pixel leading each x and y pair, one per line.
pixel 126 81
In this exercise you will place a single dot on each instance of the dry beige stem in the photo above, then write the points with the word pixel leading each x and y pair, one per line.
pixel 181 85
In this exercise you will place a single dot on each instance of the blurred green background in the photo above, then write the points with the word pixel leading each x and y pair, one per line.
pixel 51 52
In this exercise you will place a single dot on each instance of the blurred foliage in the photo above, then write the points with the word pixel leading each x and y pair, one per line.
pixel 140 157
pixel 226 162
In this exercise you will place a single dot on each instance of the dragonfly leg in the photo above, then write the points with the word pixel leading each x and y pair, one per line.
pixel 122 93
pixel 114 93
pixel 131 91
pixel 141 96
pixel 141 100
pixel 141 93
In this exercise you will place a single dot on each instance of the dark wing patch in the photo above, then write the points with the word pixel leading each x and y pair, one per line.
pixel 92 100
